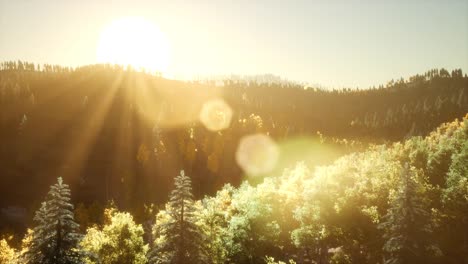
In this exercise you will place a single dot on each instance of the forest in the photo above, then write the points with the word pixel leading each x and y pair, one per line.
pixel 112 165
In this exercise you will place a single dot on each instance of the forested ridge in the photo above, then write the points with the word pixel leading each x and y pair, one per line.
pixel 101 126
pixel 115 134
pixel 405 202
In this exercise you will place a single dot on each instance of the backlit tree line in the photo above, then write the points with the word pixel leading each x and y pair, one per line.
pixel 401 203
pixel 53 116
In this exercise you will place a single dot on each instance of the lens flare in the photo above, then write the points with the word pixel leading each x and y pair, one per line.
pixel 257 154
pixel 216 115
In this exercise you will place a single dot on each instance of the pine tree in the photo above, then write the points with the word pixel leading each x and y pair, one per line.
pixel 406 225
pixel 36 244
pixel 179 238
pixel 55 237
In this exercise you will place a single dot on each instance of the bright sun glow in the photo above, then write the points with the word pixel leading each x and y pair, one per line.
pixel 134 41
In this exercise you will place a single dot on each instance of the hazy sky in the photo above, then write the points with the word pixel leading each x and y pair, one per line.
pixel 333 43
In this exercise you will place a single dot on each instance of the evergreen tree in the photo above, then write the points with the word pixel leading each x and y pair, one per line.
pixel 406 225
pixel 35 244
pixel 55 237
pixel 179 238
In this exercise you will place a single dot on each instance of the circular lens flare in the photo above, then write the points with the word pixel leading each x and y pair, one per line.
pixel 216 115
pixel 257 154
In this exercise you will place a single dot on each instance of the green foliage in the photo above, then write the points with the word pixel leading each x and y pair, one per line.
pixel 455 194
pixel 405 202
pixel 407 227
pixel 119 241
pixel 317 232
pixel 178 236
pixel 253 230
pixel 81 111
pixel 455 206
pixel 354 211
pixel 215 215
pixel 55 237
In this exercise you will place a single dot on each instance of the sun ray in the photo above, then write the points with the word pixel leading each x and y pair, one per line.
pixel 80 148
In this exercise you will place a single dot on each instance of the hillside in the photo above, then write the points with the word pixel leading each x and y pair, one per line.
pixel 403 202
pixel 115 134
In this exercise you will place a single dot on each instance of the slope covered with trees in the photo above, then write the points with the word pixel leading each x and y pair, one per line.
pixel 401 203
pixel 112 133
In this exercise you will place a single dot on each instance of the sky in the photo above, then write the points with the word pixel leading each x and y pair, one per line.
pixel 332 43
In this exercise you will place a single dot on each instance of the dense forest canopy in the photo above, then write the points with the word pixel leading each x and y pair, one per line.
pixel 367 181
pixel 113 133
pixel 233 132
pixel 405 202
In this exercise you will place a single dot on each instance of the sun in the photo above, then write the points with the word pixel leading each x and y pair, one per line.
pixel 134 41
